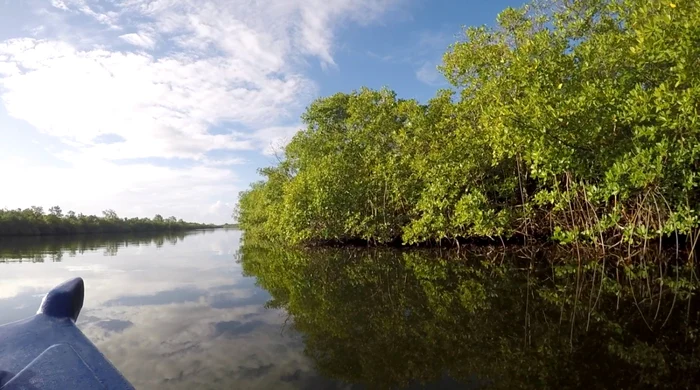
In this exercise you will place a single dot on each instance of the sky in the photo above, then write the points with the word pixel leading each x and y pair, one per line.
pixel 170 106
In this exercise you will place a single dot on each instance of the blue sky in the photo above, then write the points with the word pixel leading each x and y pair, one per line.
pixel 170 106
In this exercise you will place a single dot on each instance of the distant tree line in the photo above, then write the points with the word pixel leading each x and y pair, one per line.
pixel 34 221
pixel 569 121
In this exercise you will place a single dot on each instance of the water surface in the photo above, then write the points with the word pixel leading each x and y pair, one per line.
pixel 170 311
pixel 197 310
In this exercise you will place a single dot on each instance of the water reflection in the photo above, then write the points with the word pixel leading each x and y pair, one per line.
pixel 168 311
pixel 389 319
pixel 198 311
pixel 53 248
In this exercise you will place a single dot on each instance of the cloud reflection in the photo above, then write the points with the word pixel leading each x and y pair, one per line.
pixel 178 316
pixel 178 295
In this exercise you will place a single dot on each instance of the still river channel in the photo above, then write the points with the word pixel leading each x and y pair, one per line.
pixel 198 310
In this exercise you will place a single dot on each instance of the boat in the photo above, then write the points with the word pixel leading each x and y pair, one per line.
pixel 49 352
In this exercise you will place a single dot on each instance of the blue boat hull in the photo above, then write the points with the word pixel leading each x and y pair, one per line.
pixel 49 352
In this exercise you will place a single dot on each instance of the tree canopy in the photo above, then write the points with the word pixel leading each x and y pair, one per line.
pixel 569 120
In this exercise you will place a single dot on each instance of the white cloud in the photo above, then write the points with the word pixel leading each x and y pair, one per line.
pixel 142 40
pixel 223 162
pixel 109 18
pixel 232 65
pixel 60 4
pixel 8 69
pixel 272 140
pixel 428 74
pixel 269 30
pixel 90 186
pixel 161 107
pixel 220 207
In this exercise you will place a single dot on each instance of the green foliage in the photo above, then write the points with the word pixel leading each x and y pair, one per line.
pixel 573 120
pixel 33 222
pixel 390 319
pixel 343 177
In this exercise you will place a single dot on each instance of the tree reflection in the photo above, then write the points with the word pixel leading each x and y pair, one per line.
pixel 390 319
pixel 39 249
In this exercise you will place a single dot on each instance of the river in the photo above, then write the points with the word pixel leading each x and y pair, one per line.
pixel 197 310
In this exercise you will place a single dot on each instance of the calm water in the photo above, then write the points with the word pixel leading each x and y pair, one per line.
pixel 198 311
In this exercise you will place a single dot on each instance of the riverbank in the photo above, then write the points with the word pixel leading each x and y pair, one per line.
pixel 557 127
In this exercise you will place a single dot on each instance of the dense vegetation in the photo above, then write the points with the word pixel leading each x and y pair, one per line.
pixel 504 320
pixel 574 120
pixel 35 222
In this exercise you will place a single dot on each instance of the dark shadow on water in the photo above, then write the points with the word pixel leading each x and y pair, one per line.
pixel 255 372
pixel 227 301
pixel 117 326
